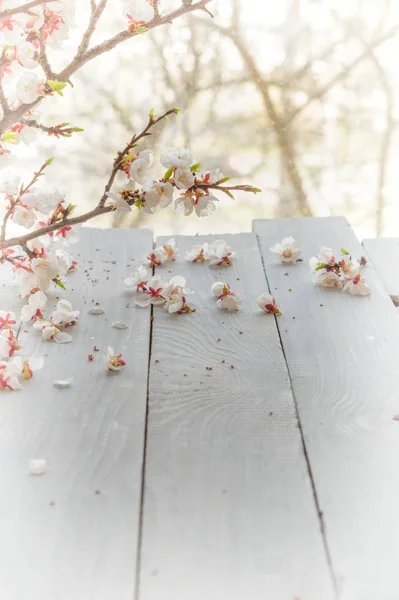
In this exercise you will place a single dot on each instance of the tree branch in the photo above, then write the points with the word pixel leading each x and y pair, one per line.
pixel 342 74
pixel 122 36
pixel 15 116
pixel 43 60
pixel 23 8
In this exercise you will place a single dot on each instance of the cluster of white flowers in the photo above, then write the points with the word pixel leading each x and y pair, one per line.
pixel 217 254
pixel 226 299
pixel 182 174
pixel 343 274
pixel 13 368
pixel 171 294
pixel 62 318
pixel 22 77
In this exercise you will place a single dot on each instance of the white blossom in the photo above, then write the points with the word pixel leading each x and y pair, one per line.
pixel 268 303
pixel 325 257
pixel 176 157
pixel 184 178
pixel 146 155
pixel 33 310
pixel 117 201
pixel 47 268
pixel 155 292
pixel 114 361
pixel 9 183
pixel 52 332
pixel 229 302
pixel 172 252
pixel 199 201
pixel 218 288
pixel 198 253
pixel 24 217
pixel 139 170
pixel 28 88
pixel 212 176
pixel 328 279
pixel 220 254
pixel 64 315
pixel 157 195
pixel 26 53
pixel 357 286
pixel 157 257
pixel 139 279
pixel 288 250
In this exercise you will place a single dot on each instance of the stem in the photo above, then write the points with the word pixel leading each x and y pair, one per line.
pixel 23 8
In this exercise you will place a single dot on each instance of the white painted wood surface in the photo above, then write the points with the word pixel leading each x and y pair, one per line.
pixel 229 511
pixel 72 534
pixel 342 354
pixel 384 254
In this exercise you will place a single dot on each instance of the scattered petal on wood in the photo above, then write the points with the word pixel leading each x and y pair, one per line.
pixel 120 325
pixel 38 466
pixel 63 383
pixel 96 310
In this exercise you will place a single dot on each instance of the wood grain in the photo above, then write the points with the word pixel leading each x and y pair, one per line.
pixel 228 506
pixel 73 532
pixel 384 255
pixel 343 360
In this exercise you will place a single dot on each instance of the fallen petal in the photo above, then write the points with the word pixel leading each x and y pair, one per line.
pixel 120 325
pixel 38 466
pixel 96 310
pixel 63 383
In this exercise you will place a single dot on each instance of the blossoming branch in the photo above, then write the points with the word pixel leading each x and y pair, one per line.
pixel 27 33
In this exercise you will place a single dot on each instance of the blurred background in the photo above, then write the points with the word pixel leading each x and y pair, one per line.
pixel 297 97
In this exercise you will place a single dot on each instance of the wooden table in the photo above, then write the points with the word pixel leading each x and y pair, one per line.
pixel 273 475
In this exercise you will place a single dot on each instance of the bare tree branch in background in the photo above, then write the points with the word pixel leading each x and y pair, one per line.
pixel 282 131
pixel 323 90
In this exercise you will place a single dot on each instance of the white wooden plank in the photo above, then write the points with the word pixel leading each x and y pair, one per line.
pixel 229 511
pixel 84 546
pixel 342 356
pixel 384 254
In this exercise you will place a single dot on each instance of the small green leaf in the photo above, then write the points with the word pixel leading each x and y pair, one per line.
pixel 49 161
pixel 9 136
pixel 59 283
pixel 223 180
pixel 254 189
pixel 168 174
pixel 78 129
pixel 195 167
pixel 176 110
pixel 319 267
pixel 141 29
pixel 229 194
pixel 345 252
pixel 151 113
pixel 56 86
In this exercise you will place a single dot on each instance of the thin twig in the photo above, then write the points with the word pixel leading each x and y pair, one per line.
pixel 125 151
pixel 155 8
pixel 122 36
pixel 23 8
pixel 43 59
